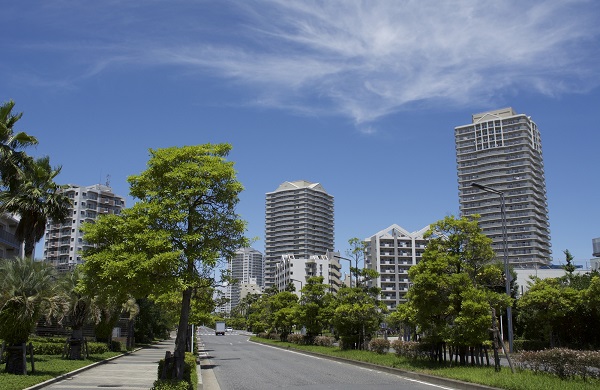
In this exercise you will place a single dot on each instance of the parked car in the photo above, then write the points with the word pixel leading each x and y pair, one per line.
pixel 229 329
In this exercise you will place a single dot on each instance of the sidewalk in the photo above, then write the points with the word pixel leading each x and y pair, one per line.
pixel 134 371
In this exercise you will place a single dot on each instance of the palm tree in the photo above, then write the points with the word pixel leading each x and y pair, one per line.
pixel 28 291
pixel 81 309
pixel 12 158
pixel 36 199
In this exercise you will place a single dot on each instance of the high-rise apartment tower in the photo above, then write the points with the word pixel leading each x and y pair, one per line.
pixel 299 222
pixel 63 242
pixel 246 267
pixel 502 151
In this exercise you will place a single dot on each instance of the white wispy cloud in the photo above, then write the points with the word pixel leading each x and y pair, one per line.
pixel 366 59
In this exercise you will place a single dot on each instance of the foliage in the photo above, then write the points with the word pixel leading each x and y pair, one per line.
pixel 172 238
pixel 562 312
pixel 36 199
pixel 454 285
pixel 295 338
pixel 357 314
pixel 409 349
pixel 562 362
pixel 324 341
pixel 314 311
pixel 190 375
pixel 12 157
pixel 379 346
pixel 152 322
pixel 27 292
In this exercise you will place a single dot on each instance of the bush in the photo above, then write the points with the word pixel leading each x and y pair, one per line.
pixel 409 349
pixel 295 338
pixel 48 348
pixel 115 346
pixel 562 362
pixel 190 375
pixel 170 384
pixel 380 346
pixel 324 341
pixel 95 348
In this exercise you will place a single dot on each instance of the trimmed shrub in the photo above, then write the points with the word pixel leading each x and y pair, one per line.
pixel 169 384
pixel 263 335
pixel 380 346
pixel 324 341
pixel 95 348
pixel 295 338
pixel 48 348
pixel 562 362
pixel 274 336
pixel 115 346
pixel 409 349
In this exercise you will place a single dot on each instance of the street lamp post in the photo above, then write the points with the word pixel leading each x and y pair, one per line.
pixel 505 250
pixel 349 265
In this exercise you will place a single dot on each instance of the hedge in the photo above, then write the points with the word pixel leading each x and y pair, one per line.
pixel 190 376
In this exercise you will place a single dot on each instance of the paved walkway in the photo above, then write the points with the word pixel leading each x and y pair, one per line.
pixel 134 371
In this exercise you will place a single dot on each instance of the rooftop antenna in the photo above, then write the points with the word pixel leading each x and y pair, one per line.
pixel 108 180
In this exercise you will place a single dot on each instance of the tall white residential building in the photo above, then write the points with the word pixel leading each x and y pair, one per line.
pixel 391 252
pixel 10 247
pixel 299 222
pixel 63 242
pixel 248 268
pixel 296 270
pixel 502 150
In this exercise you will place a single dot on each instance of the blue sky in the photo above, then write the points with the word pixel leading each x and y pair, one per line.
pixel 360 96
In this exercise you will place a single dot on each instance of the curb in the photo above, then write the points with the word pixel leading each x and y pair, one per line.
pixel 436 380
pixel 77 371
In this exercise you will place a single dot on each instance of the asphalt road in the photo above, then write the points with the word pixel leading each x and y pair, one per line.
pixel 231 362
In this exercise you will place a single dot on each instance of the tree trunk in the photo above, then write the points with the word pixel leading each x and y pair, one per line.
pixel 180 341
pixel 15 359
pixel 76 344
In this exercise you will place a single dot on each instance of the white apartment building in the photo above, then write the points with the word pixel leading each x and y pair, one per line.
pixel 391 252
pixel 10 247
pixel 296 270
pixel 247 267
pixel 299 222
pixel 63 242
pixel 502 150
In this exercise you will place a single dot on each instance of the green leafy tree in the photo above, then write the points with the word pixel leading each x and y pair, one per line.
pixel 36 199
pixel 184 222
pixel 454 286
pixel 28 291
pixel 12 156
pixel 357 314
pixel 356 253
pixel 314 312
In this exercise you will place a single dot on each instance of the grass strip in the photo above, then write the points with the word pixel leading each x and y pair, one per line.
pixel 48 367
pixel 521 380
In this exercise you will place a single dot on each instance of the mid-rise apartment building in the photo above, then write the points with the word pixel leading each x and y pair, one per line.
pixel 299 222
pixel 502 150
pixel 391 252
pixel 296 270
pixel 63 242
pixel 10 247
pixel 247 267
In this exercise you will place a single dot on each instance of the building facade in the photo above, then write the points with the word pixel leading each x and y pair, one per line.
pixel 502 150
pixel 299 222
pixel 296 270
pixel 63 242
pixel 391 252
pixel 10 247
pixel 247 267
